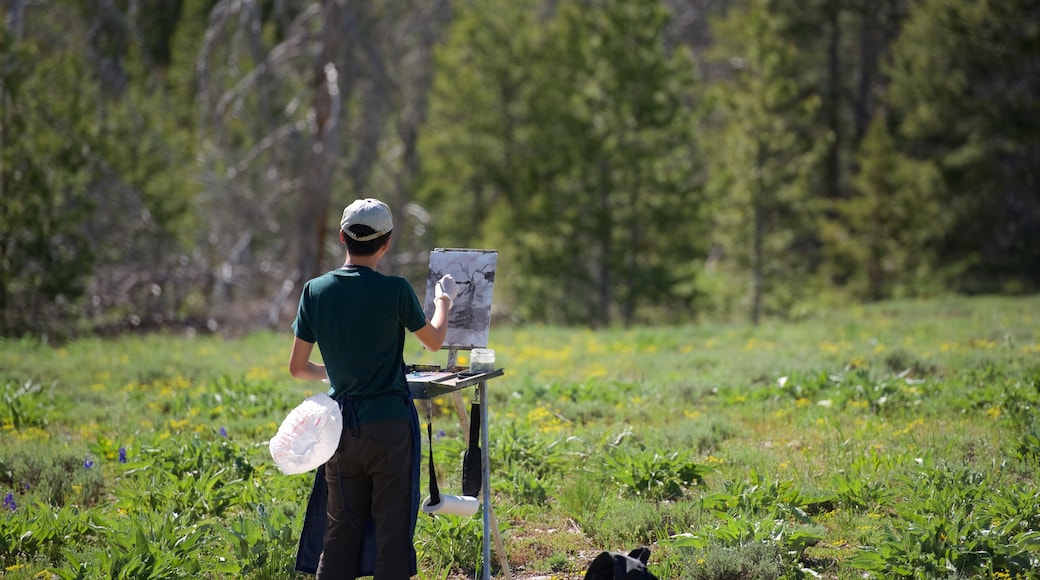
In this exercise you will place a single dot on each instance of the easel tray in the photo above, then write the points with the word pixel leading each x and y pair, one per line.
pixel 426 383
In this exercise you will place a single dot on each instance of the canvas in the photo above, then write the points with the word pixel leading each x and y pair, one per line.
pixel 469 322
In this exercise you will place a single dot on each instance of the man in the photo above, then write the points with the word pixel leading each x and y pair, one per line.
pixel 357 317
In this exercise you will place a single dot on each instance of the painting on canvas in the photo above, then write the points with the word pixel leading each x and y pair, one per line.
pixel 474 272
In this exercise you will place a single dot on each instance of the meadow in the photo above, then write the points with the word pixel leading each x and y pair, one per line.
pixel 894 440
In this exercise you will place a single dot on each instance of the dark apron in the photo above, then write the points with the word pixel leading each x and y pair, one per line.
pixel 312 538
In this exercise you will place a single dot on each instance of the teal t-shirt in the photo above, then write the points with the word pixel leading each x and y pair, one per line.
pixel 358 318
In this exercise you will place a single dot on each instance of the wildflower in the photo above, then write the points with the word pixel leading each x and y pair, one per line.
pixel 441 434
pixel 88 463
pixel 223 431
pixel 122 455
pixel 9 501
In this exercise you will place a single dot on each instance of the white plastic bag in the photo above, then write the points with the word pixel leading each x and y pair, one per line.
pixel 308 436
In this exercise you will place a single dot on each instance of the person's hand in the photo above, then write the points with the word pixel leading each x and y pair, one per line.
pixel 446 286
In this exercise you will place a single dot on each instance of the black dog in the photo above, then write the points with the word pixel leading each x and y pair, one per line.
pixel 618 566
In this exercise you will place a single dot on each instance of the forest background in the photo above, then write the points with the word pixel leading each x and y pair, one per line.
pixel 183 163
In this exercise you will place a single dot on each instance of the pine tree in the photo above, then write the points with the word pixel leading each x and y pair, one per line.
pixel 965 108
pixel 767 148
pixel 47 134
pixel 570 148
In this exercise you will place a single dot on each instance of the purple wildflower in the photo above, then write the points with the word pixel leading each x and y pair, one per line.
pixel 9 501
pixel 122 455
pixel 223 431
pixel 441 434
pixel 88 463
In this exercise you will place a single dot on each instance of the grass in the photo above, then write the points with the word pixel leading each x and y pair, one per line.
pixel 852 442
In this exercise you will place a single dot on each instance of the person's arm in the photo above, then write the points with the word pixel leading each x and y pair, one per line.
pixel 300 365
pixel 432 334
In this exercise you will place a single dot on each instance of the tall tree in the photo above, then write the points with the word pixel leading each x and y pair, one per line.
pixel 299 106
pixel 839 49
pixel 768 149
pixel 884 232
pixel 470 144
pixel 87 98
pixel 965 109
pixel 326 102
pixel 48 128
pixel 576 151
pixel 145 183
pixel 617 109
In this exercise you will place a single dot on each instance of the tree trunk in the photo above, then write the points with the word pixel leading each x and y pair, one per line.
pixel 413 114
pixel 326 102
pixel 15 18
pixel 868 52
pixel 758 234
pixel 832 172
pixel 365 59
pixel 602 315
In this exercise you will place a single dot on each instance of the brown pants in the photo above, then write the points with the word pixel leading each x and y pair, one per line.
pixel 370 474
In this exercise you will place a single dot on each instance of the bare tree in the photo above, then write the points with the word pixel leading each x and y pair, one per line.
pixel 329 112
pixel 324 144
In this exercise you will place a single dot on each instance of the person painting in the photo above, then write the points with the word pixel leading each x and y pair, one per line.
pixel 358 317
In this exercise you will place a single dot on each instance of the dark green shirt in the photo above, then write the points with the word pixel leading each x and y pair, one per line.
pixel 358 318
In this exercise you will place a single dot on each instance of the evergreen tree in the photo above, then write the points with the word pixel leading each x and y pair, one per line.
pixel 573 141
pixel 766 150
pixel 474 138
pixel 47 134
pixel 965 107
pixel 883 240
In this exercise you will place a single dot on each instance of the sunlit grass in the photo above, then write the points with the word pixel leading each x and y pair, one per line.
pixel 842 412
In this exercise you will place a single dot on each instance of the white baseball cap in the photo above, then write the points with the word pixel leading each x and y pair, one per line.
pixel 367 212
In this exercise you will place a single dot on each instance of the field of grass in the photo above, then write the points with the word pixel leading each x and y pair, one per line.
pixel 899 439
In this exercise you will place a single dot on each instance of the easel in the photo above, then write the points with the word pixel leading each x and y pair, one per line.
pixel 450 381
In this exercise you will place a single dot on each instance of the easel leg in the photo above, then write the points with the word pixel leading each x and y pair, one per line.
pixel 490 521
pixel 500 547
pixel 460 410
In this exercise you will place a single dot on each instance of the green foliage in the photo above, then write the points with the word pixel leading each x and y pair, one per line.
pixel 861 484
pixel 1029 445
pixel 204 476
pixel 263 543
pixel 47 132
pixel 631 165
pixel 149 548
pixel 585 499
pixel 701 437
pixel 55 479
pixel 752 561
pixel 185 507
pixel 789 541
pixel 651 474
pixel 884 250
pixel 767 148
pixel 571 139
pixel 961 521
pixel 450 542
pixel 27 405
pixel 528 462
pixel 721 468
pixel 38 531
pixel 95 167
pixel 960 88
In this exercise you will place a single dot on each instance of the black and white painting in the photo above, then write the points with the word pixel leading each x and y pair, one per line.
pixel 474 271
